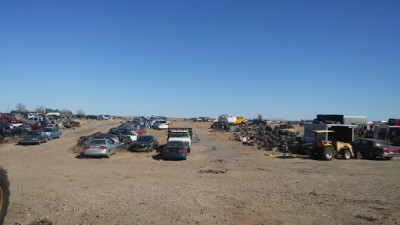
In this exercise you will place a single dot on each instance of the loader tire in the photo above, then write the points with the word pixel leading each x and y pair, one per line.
pixel 328 153
pixel 4 194
pixel 346 154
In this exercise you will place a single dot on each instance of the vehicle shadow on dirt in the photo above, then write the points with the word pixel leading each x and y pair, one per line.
pixel 82 156
pixel 158 151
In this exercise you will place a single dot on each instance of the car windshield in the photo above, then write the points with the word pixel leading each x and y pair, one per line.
pixel 383 143
pixel 33 133
pixel 47 129
pixel 97 142
pixel 179 134
pixel 175 144
pixel 144 139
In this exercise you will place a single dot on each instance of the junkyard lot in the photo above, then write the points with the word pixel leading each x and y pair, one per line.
pixel 221 182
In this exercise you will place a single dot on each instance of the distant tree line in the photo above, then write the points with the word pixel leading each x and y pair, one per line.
pixel 20 108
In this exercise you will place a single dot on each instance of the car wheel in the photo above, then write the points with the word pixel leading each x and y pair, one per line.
pixel 346 154
pixel 371 156
pixel 358 155
pixel 39 142
pixel 45 140
pixel 328 153
pixel 4 194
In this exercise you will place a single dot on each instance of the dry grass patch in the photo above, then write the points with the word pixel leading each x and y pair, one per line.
pixel 76 150
pixel 9 140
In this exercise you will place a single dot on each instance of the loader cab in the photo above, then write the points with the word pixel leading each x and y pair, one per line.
pixel 327 148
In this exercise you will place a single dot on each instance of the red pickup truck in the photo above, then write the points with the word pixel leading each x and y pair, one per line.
pixel 374 148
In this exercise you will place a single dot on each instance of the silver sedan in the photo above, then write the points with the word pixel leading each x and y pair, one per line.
pixel 101 147
pixel 52 132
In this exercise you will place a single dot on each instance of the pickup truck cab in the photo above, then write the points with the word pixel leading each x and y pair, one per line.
pixel 181 134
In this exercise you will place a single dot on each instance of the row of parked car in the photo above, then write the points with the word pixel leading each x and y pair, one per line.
pixel 132 135
pixel 40 136
pixel 12 127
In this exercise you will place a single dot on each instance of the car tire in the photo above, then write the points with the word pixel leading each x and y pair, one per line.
pixel 188 150
pixel 39 142
pixel 45 140
pixel 371 156
pixel 388 158
pixel 4 194
pixel 328 153
pixel 346 154
pixel 358 155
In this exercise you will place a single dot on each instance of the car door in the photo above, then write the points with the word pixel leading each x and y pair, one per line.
pixel 112 145
pixel 43 136
pixel 365 147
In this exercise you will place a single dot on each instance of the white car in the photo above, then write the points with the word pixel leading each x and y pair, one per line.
pixel 160 125
pixel 133 136
pixel 181 134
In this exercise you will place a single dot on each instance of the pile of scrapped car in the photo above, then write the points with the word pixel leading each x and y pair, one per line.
pixel 10 126
pixel 266 137
pixel 322 140
pixel 128 135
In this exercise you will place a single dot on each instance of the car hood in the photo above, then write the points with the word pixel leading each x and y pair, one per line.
pixel 388 147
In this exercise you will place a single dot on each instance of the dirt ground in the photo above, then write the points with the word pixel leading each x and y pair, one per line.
pixel 221 182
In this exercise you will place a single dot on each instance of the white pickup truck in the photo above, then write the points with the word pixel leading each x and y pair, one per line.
pixel 181 134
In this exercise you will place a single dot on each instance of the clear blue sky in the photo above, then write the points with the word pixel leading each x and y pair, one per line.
pixel 281 59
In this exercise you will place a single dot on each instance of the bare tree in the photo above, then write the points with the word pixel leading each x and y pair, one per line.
pixel 80 112
pixel 66 111
pixel 40 109
pixel 21 108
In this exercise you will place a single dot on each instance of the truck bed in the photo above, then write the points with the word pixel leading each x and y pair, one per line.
pixel 170 130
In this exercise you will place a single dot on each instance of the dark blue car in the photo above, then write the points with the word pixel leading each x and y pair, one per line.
pixel 174 150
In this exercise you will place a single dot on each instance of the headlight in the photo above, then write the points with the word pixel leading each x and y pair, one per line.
pixel 21 139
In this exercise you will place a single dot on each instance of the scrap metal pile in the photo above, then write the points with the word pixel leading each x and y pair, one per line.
pixel 269 138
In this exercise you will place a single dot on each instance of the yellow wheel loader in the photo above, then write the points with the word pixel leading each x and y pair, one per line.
pixel 328 149
pixel 4 194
